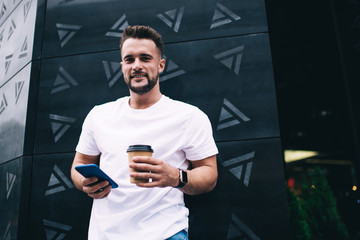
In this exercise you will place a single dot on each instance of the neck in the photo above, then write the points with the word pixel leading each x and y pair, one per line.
pixel 145 100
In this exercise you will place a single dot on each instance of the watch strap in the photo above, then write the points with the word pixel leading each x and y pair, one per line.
pixel 181 182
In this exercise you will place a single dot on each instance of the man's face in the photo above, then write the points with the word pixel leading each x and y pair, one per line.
pixel 141 64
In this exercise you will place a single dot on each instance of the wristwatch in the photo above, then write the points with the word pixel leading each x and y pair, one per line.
pixel 182 178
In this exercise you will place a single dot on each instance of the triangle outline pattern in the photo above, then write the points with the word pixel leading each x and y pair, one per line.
pixel 55 230
pixel 112 71
pixel 172 18
pixel 27 6
pixel 230 116
pixel 2 10
pixel 66 32
pixel 63 81
pixel 223 15
pixel 7 234
pixel 11 29
pixel 119 26
pixel 3 104
pixel 24 49
pixel 231 58
pixel 8 62
pixel 239 228
pixel 58 182
pixel 10 180
pixel 236 166
pixel 172 70
pixel 1 37
pixel 60 125
pixel 18 90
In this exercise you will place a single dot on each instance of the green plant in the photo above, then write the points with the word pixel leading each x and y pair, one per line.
pixel 300 229
pixel 320 207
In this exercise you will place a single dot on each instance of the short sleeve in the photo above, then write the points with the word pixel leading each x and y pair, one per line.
pixel 199 141
pixel 87 144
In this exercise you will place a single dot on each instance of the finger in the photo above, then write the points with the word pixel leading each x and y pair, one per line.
pixel 146 159
pixel 156 180
pixel 144 167
pixel 149 184
pixel 101 192
pixel 95 187
pixel 89 181
pixel 103 189
pixel 141 175
pixel 106 195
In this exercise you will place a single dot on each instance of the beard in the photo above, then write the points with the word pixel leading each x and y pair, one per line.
pixel 151 82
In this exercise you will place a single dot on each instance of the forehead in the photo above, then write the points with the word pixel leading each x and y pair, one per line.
pixel 135 46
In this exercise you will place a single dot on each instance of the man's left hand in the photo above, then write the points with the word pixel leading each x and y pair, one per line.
pixel 161 173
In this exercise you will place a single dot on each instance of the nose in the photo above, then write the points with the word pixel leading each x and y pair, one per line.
pixel 137 64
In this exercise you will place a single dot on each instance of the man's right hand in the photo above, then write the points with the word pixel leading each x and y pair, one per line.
pixel 94 189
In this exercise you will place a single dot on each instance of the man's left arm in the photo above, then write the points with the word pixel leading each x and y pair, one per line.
pixel 202 177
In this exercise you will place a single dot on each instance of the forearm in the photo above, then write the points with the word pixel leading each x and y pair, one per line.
pixel 202 177
pixel 76 177
pixel 81 159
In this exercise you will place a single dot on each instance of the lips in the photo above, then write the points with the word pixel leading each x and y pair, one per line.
pixel 138 75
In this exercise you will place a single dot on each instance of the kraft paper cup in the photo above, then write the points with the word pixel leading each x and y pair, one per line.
pixel 138 150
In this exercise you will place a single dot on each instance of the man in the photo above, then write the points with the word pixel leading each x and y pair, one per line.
pixel 179 134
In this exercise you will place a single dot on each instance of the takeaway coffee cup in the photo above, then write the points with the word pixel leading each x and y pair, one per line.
pixel 138 150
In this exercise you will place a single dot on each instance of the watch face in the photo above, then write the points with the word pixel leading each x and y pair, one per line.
pixel 184 177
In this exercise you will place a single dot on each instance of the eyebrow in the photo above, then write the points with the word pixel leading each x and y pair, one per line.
pixel 141 55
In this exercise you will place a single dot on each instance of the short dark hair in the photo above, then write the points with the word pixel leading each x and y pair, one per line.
pixel 143 32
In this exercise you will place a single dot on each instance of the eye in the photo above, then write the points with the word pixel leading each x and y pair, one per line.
pixel 145 59
pixel 128 60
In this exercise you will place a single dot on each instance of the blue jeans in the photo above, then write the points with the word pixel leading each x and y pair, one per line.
pixel 182 235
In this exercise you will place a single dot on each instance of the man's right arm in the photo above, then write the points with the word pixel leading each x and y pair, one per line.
pixel 99 190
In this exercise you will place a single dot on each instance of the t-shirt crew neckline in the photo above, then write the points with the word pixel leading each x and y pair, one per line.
pixel 145 109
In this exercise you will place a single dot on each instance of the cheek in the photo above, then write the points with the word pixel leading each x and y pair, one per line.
pixel 125 74
pixel 125 70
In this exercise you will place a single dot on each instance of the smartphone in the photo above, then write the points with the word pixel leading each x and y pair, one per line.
pixel 93 170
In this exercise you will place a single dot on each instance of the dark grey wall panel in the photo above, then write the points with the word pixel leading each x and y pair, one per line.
pixel 14 197
pixel 58 209
pixel 249 200
pixel 88 26
pixel 236 72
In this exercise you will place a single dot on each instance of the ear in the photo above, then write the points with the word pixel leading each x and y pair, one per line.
pixel 162 64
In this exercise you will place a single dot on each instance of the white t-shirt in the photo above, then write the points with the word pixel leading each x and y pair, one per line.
pixel 176 131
